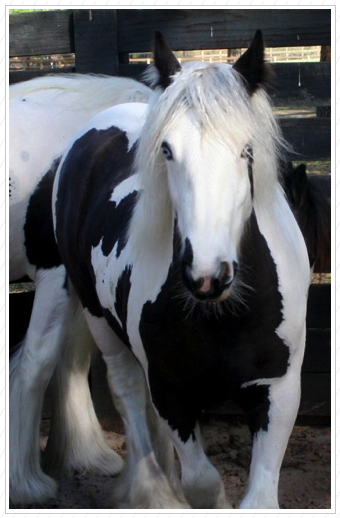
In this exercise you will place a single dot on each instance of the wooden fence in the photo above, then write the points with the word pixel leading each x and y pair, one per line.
pixel 103 39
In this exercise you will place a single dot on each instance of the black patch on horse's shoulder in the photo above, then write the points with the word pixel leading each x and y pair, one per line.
pixel 41 248
pixel 96 164
pixel 123 213
pixel 197 360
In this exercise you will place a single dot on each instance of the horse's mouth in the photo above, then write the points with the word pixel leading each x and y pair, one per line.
pixel 206 297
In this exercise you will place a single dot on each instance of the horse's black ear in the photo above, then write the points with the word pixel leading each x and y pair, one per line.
pixel 251 65
pixel 164 60
pixel 299 185
pixel 300 177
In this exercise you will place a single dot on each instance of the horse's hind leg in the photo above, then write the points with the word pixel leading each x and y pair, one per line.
pixel 30 371
pixel 143 484
pixel 76 442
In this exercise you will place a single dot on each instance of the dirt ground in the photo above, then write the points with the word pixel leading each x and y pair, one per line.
pixel 305 481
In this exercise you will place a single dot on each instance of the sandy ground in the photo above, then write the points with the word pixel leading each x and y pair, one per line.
pixel 305 481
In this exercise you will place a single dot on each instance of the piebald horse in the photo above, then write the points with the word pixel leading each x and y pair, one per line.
pixel 182 253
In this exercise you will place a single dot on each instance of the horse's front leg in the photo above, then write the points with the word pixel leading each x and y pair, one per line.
pixel 148 480
pixel 275 407
pixel 202 484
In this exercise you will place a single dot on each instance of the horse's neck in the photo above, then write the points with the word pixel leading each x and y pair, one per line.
pixel 150 251
pixel 278 225
pixel 151 228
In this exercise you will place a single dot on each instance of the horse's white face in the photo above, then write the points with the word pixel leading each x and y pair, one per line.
pixel 211 194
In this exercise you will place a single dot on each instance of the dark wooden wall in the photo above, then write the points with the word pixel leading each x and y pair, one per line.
pixel 102 40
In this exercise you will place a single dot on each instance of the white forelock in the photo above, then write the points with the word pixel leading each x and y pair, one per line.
pixel 217 97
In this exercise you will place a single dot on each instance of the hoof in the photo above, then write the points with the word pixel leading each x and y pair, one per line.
pixel 99 462
pixel 35 490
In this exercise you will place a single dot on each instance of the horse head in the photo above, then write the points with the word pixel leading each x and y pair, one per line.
pixel 208 125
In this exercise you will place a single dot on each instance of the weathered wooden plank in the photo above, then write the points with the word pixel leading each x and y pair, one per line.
pixel 44 32
pixel 20 309
pixel 190 29
pixel 95 39
pixel 132 71
pixel 323 111
pixel 184 28
pixel 310 138
pixel 301 82
pixel 315 394
pixel 318 351
pixel 319 307
pixel 315 398
pixel 26 75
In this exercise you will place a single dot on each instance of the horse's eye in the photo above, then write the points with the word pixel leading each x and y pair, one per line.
pixel 166 151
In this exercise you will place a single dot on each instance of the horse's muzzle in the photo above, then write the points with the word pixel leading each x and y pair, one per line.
pixel 210 288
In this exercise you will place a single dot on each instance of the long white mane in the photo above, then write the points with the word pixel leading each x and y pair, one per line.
pixel 218 97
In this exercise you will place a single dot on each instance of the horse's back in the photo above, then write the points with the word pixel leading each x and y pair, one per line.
pixel 45 115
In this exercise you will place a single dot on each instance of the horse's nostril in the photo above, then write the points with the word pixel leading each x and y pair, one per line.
pixel 226 273
pixel 209 287
pixel 204 284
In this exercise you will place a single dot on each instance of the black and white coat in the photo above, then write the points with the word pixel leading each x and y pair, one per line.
pixel 192 273
pixel 45 115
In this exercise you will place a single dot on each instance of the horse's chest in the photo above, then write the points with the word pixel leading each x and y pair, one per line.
pixel 216 351
pixel 238 346
pixel 234 352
